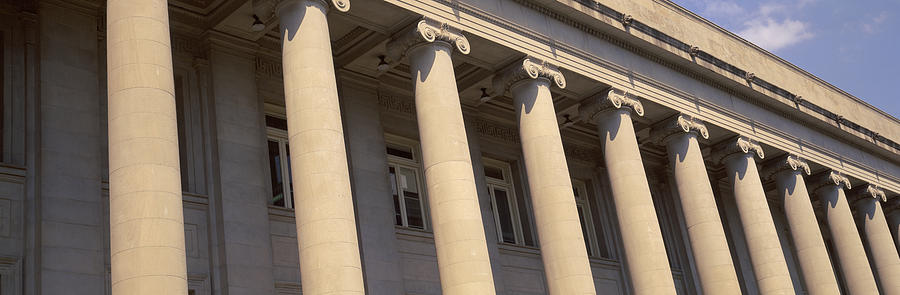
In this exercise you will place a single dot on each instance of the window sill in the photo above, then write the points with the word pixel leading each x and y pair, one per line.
pixel 520 249
pixel 413 234
pixel 281 212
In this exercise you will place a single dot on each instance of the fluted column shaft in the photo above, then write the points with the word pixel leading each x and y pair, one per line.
pixel 146 221
pixel 808 242
pixel 845 236
pixel 462 253
pixel 563 250
pixel 326 226
pixel 766 256
pixel 645 253
pixel 881 244
pixel 701 215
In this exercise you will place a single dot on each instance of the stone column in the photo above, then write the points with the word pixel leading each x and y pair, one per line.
pixel 463 260
pixel 563 250
pixel 893 218
pixel 645 253
pixel 766 256
pixel 804 227
pixel 829 186
pixel 146 221
pixel 701 216
pixel 326 226
pixel 881 244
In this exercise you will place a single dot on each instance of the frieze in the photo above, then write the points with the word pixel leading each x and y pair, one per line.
pixel 268 67
pixel 496 130
pixel 582 153
pixel 397 104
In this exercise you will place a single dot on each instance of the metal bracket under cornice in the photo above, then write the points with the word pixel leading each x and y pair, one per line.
pixel 607 100
pixel 426 31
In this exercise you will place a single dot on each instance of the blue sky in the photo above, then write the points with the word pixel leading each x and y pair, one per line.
pixel 854 45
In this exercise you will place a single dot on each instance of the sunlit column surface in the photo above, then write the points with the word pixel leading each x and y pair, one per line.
pixel 463 260
pixel 766 256
pixel 563 250
pixel 881 244
pixel 326 226
pixel 146 221
pixel 701 215
pixel 645 253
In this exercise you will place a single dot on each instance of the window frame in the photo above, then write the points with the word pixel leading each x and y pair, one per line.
pixel 508 185
pixel 281 137
pixel 583 205
pixel 414 164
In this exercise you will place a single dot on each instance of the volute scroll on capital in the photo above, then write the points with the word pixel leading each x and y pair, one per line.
pixel 663 131
pixel 341 5
pixel 829 178
pixel 427 31
pixel 790 162
pixel 868 191
pixel 737 145
pixel 612 99
pixel 528 68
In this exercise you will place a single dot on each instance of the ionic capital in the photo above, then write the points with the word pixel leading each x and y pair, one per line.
pixel 868 191
pixel 737 145
pixel 829 178
pixel 663 131
pixel 529 68
pixel 612 99
pixel 790 163
pixel 341 5
pixel 426 31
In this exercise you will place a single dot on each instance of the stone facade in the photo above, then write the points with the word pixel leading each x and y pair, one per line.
pixel 429 147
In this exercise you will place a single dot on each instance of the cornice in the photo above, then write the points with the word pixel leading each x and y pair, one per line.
pixel 662 132
pixel 607 100
pixel 529 68
pixel 426 31
pixel 527 41
pixel 786 163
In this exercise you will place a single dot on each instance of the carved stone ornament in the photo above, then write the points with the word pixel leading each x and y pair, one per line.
pixel 341 5
pixel 869 191
pixel 529 68
pixel 789 162
pixel 737 145
pixel 607 100
pixel 829 178
pixel 679 124
pixel 427 31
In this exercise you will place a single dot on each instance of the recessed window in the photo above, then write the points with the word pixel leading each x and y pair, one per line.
pixel 407 185
pixel 509 208
pixel 279 164
pixel 585 217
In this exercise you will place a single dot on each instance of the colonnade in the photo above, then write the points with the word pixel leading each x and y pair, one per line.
pixel 147 239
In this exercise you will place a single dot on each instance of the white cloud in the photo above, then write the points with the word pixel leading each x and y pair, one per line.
pixel 771 34
pixel 871 27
